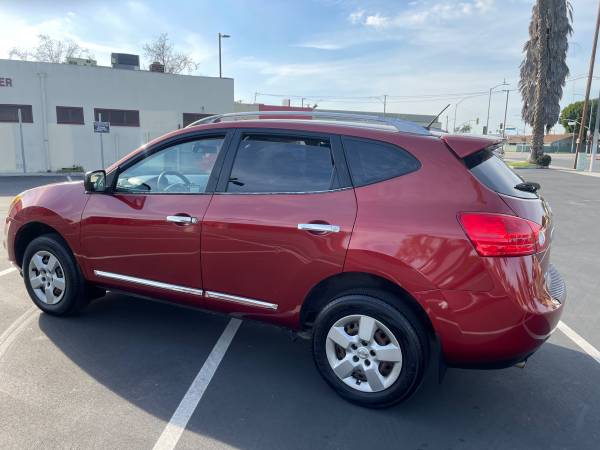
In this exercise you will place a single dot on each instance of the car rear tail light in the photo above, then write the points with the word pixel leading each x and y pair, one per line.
pixel 502 235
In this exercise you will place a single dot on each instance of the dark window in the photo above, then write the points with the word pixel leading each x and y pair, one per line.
pixel 118 117
pixel 9 113
pixel 192 117
pixel 282 164
pixel 69 115
pixel 495 174
pixel 181 168
pixel 373 161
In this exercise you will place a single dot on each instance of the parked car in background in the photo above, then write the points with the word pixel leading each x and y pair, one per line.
pixel 387 244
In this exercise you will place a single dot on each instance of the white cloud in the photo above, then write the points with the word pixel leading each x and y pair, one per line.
pixel 420 13
pixel 356 17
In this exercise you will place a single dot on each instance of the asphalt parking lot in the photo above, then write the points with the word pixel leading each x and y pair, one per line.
pixel 114 376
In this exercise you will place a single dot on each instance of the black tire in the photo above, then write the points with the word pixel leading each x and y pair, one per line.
pixel 404 325
pixel 74 298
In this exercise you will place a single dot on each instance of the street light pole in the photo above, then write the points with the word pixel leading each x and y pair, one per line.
pixel 487 122
pixel 505 111
pixel 221 36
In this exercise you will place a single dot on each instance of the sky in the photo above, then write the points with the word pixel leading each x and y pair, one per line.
pixel 422 54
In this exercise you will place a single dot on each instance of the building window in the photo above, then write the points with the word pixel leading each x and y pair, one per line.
pixel 69 115
pixel 118 117
pixel 192 117
pixel 9 113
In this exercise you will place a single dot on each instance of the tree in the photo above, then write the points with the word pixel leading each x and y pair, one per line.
pixel 466 128
pixel 162 51
pixel 572 113
pixel 51 50
pixel 544 68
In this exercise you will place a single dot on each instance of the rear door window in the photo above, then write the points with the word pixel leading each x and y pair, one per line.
pixel 282 164
pixel 373 161
pixel 495 174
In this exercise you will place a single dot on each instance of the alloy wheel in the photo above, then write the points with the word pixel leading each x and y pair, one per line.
pixel 364 353
pixel 47 277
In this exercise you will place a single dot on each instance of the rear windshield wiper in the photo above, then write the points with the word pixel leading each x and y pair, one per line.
pixel 528 186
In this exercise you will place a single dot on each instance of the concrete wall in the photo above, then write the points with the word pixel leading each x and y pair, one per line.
pixel 160 98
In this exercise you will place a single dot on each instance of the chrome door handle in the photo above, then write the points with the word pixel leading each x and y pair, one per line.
pixel 182 219
pixel 323 228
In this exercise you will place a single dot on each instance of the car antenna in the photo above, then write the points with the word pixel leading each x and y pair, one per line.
pixel 436 117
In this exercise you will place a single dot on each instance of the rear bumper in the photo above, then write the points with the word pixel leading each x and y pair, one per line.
pixel 500 327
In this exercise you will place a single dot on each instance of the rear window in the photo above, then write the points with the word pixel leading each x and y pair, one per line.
pixel 495 174
pixel 373 161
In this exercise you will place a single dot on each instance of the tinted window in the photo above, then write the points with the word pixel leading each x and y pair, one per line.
pixel 118 117
pixel 495 174
pixel 282 164
pixel 69 115
pixel 372 161
pixel 181 168
pixel 10 113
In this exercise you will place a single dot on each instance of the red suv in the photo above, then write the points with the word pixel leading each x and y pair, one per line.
pixel 384 242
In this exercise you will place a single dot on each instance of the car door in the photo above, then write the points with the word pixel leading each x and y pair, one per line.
pixel 145 235
pixel 280 222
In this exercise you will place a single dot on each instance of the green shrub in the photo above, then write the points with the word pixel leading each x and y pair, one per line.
pixel 544 160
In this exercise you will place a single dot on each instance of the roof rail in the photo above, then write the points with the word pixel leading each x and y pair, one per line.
pixel 403 126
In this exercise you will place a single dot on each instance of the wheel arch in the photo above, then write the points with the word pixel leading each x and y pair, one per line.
pixel 28 232
pixel 326 290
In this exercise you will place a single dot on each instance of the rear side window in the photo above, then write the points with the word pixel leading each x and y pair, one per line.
pixel 281 164
pixel 495 174
pixel 373 161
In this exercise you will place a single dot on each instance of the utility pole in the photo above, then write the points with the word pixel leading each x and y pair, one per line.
pixel 594 151
pixel 587 89
pixel 505 111
pixel 221 36
pixel 255 94
pixel 384 104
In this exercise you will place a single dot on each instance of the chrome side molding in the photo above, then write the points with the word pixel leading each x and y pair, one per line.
pixel 187 290
pixel 151 283
pixel 241 300
pixel 319 227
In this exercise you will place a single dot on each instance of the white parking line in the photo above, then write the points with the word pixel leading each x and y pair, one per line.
pixel 15 328
pixel 174 429
pixel 7 271
pixel 581 342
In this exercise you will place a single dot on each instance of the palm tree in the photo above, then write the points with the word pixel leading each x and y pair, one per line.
pixel 544 69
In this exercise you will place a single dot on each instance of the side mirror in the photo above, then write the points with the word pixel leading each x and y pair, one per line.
pixel 95 181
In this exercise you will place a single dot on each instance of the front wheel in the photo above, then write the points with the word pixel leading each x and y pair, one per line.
pixel 370 352
pixel 52 277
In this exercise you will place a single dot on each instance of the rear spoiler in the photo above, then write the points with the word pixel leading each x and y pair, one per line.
pixel 464 146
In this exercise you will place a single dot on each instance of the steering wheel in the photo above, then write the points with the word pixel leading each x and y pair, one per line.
pixel 163 182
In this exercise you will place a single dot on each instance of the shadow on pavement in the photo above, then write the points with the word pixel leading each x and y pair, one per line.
pixel 267 393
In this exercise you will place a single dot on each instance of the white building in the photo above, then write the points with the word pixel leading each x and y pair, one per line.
pixel 60 102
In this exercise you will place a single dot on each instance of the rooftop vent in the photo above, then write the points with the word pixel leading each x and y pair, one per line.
pixel 125 61
pixel 157 67
pixel 81 61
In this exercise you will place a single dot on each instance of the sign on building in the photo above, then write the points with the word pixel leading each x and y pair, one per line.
pixel 5 82
pixel 101 127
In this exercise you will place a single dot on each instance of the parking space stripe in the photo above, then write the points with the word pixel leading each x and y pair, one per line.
pixel 69 178
pixel 174 429
pixel 581 342
pixel 7 271
pixel 13 331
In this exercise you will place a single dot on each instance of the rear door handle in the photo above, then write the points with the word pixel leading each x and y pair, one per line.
pixel 320 227
pixel 184 220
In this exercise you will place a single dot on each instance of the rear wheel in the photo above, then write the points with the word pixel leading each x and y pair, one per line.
pixel 52 277
pixel 370 352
